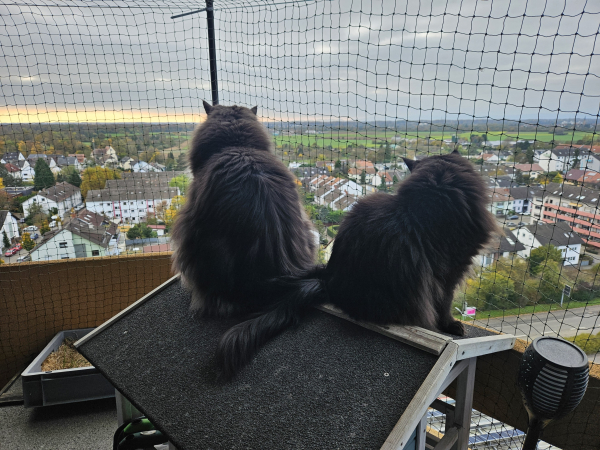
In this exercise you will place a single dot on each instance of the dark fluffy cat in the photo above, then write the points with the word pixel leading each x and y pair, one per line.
pixel 396 259
pixel 242 223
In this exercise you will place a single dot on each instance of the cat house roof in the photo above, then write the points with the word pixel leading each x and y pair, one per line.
pixel 328 383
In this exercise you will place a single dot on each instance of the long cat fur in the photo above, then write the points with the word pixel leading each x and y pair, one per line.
pixel 396 259
pixel 243 223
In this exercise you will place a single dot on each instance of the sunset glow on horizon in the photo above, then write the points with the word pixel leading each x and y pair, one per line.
pixel 31 115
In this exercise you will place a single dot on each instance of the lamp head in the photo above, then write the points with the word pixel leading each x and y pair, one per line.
pixel 553 377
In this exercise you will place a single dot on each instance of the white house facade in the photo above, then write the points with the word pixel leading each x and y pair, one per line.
pixel 560 160
pixel 130 205
pixel 8 225
pixel 77 240
pixel 590 162
pixel 558 234
pixel 62 196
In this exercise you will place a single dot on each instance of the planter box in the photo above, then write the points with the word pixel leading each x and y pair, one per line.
pixel 63 386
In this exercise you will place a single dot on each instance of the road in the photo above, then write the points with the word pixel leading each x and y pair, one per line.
pixel 13 259
pixel 553 323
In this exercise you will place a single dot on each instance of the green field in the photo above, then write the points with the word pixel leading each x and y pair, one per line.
pixel 343 138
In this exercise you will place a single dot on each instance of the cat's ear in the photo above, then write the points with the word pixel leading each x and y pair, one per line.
pixel 254 110
pixel 455 152
pixel 207 107
pixel 410 163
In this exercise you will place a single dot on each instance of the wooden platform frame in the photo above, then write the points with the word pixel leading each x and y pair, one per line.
pixel 456 361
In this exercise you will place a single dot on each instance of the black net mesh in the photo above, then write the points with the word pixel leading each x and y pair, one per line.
pixel 99 100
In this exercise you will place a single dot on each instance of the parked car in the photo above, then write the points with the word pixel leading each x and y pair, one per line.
pixel 11 251
pixel 18 247
pixel 34 236
pixel 24 258
pixel 511 224
pixel 512 217
pixel 31 228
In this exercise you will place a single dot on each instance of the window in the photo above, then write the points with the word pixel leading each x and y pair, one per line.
pixel 108 204
pixel 95 252
pixel 62 244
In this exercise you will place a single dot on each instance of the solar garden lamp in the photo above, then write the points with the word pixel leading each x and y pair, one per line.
pixel 553 377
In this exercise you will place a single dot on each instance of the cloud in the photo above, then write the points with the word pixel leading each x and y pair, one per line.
pixel 391 59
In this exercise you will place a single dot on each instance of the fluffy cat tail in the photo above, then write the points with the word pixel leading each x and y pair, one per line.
pixel 240 343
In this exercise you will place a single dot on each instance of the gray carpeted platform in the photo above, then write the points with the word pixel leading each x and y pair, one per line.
pixel 326 384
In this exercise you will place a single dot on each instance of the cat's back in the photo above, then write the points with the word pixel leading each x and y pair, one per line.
pixel 371 225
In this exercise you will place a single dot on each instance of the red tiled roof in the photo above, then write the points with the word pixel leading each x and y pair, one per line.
pixel 11 168
pixel 529 167
pixel 156 248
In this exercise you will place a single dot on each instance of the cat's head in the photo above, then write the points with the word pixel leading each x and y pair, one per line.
pixel 234 112
pixel 226 127
pixel 412 164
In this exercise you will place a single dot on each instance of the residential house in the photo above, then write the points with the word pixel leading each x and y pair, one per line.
pixel 160 229
pixel 559 234
pixel 327 183
pixel 168 174
pixel 575 205
pixel 27 170
pixel 62 196
pixel 80 158
pixel 496 144
pixel 50 160
pixel 521 198
pixel 8 225
pixel 127 183
pixel 78 239
pixel 590 179
pixel 12 156
pixel 127 163
pixel 500 247
pixel 69 161
pixel 533 170
pixel 105 157
pixel 501 202
pixel 380 176
pixel 489 158
pixel 13 170
pixel 143 166
pixel 309 172
pixel 574 175
pixel 345 202
pixel 330 165
pixel 356 174
pixel 19 168
pixel 590 162
pixel 130 205
pixel 583 177
pixel 363 164
pixel 560 159
pixel 18 191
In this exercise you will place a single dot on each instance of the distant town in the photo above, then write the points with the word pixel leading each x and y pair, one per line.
pixel 74 191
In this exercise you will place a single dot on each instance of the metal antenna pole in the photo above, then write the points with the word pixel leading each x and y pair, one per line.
pixel 210 20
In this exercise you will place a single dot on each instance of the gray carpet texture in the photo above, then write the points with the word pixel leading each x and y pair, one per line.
pixel 326 384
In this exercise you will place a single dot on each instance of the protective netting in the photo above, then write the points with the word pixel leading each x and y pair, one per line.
pixel 99 100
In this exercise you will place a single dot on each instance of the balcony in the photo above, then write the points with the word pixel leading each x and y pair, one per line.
pixel 41 299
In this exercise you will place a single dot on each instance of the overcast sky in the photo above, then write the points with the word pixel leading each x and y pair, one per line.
pixel 357 60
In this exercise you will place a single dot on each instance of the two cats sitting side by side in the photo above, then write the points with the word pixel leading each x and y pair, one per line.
pixel 396 258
